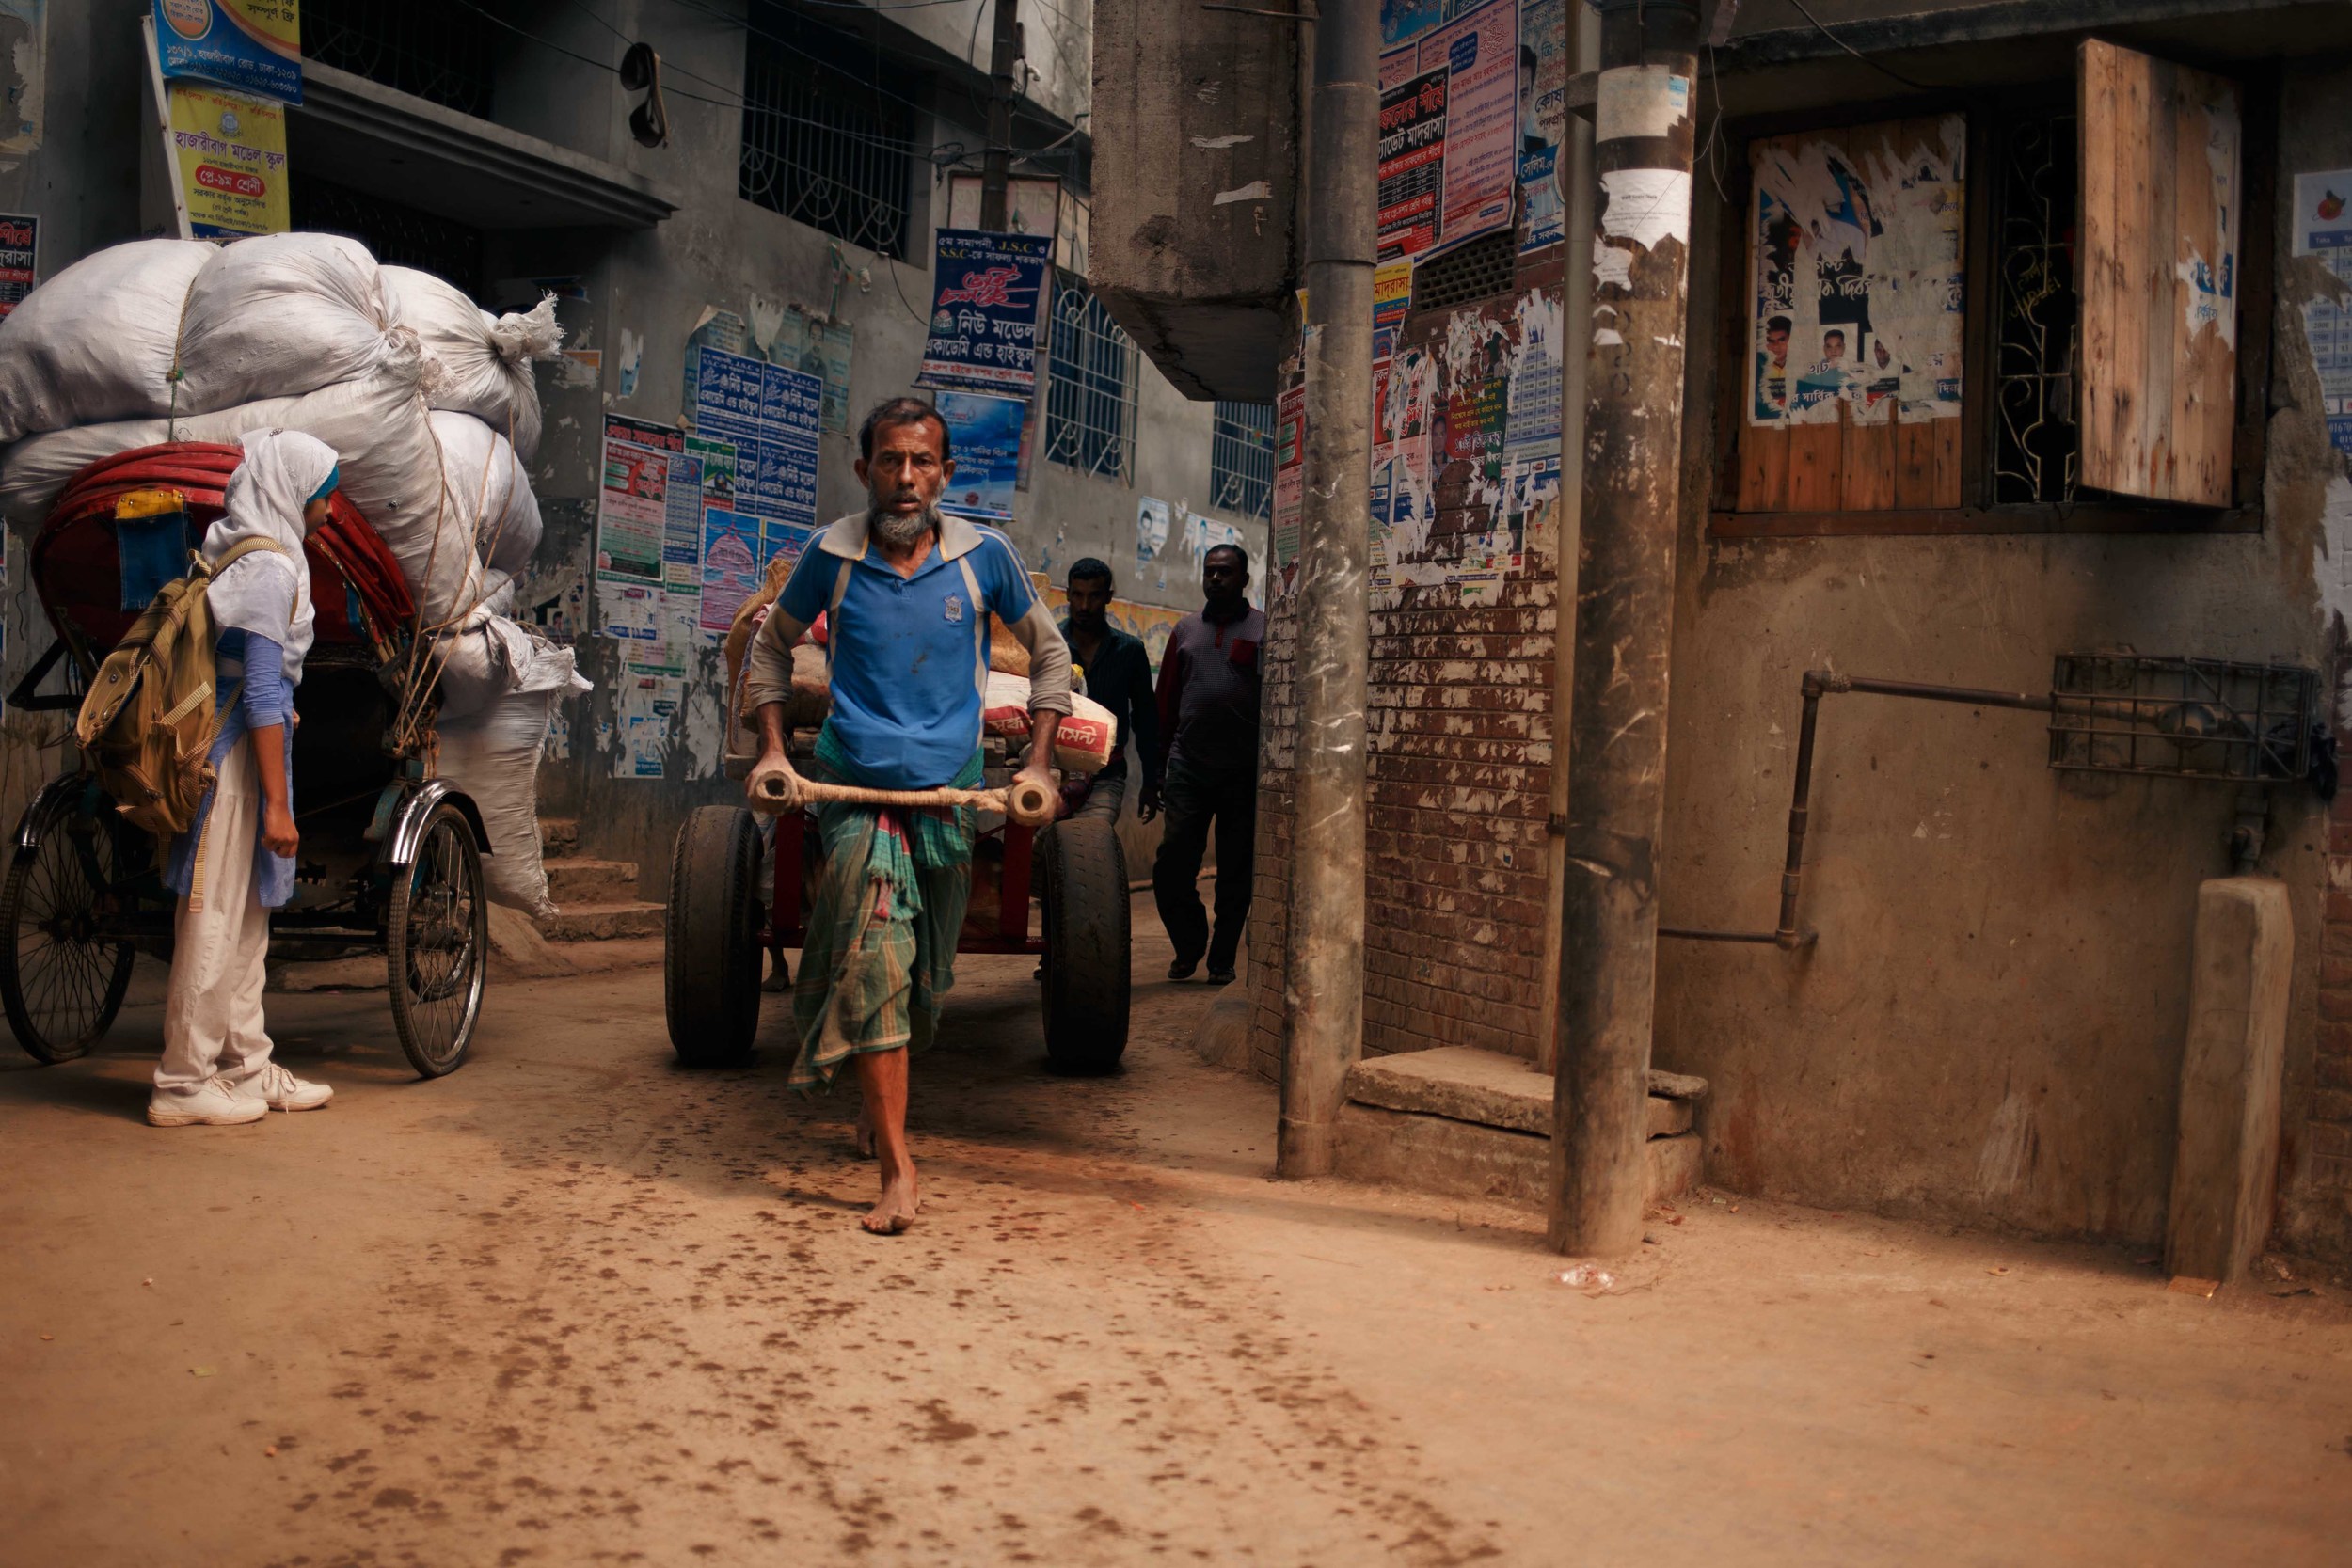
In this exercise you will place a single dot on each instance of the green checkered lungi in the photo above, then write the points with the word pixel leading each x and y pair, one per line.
pixel 879 953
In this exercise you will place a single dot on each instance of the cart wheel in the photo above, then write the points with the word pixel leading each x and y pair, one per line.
pixel 439 945
pixel 1087 977
pixel 61 978
pixel 711 954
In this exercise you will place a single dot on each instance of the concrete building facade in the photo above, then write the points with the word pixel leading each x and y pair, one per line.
pixel 1990 1026
pixel 813 152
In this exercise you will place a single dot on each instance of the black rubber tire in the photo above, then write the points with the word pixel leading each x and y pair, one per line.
pixel 436 946
pixel 81 982
pixel 1088 982
pixel 710 951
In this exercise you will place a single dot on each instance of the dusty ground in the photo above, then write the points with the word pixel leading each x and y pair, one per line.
pixel 573 1306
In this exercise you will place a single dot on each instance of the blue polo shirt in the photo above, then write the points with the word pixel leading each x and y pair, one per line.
pixel 908 656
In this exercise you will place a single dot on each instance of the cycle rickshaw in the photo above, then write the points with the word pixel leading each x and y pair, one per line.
pixel 390 857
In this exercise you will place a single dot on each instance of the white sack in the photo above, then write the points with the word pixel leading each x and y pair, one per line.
pixel 483 660
pixel 489 482
pixel 485 359
pixel 493 756
pixel 94 343
pixel 283 314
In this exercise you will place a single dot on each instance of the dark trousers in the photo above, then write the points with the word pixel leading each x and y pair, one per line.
pixel 1193 803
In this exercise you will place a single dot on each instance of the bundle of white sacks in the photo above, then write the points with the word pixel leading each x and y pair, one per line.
pixel 428 402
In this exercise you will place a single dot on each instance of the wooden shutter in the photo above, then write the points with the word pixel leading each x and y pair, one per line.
pixel 2161 189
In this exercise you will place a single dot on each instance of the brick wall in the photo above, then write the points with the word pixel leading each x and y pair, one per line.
pixel 2327 1132
pixel 1460 730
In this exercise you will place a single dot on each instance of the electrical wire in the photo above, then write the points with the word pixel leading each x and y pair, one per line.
pixel 1884 70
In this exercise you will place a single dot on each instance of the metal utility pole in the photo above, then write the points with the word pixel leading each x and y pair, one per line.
pixel 996 160
pixel 1326 989
pixel 1616 738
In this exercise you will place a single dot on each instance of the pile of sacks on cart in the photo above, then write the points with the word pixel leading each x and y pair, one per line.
pixel 428 402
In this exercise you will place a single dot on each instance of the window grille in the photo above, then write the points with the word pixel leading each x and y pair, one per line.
pixel 1478 269
pixel 439 49
pixel 2036 441
pixel 400 235
pixel 1240 459
pixel 1091 386
pixel 826 140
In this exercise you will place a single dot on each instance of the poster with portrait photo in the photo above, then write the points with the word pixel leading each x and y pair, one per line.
pixel 1858 302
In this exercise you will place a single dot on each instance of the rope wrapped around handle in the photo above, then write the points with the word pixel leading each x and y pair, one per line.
pixel 779 787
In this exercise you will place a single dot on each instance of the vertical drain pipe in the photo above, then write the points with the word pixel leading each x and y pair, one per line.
pixel 1616 752
pixel 1326 979
pixel 1575 174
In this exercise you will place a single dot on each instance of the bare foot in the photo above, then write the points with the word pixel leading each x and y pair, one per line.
pixel 896 1210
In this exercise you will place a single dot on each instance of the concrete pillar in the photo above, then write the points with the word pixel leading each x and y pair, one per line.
pixel 2225 1167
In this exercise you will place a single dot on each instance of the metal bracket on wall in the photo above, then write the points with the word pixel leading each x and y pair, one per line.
pixel 2250 725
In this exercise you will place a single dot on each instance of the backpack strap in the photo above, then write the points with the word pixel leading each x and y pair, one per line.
pixel 242 548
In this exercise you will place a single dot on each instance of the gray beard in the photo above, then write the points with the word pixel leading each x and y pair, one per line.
pixel 901 533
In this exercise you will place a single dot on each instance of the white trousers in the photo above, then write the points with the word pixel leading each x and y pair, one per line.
pixel 220 944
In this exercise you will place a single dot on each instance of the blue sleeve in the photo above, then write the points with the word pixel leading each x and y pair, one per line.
pixel 1004 579
pixel 809 590
pixel 264 696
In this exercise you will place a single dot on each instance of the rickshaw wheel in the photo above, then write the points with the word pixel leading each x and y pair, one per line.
pixel 437 946
pixel 61 980
pixel 710 953
pixel 1088 979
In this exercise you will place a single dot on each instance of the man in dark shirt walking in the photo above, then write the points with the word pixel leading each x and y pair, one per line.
pixel 1119 676
pixel 1208 696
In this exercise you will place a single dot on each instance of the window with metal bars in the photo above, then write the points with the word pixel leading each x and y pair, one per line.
pixel 826 141
pixel 439 49
pixel 1091 386
pixel 1240 459
pixel 397 234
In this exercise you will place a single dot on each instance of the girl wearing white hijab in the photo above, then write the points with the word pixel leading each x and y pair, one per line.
pixel 236 862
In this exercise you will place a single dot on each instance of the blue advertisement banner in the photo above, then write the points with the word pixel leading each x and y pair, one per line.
pixel 250 45
pixel 984 433
pixel 985 292
pixel 771 415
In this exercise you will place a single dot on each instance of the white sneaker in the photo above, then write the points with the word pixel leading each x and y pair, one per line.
pixel 276 1089
pixel 209 1104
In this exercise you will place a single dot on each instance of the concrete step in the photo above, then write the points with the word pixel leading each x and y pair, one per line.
pixel 1471 1123
pixel 571 881
pixel 603 921
pixel 558 836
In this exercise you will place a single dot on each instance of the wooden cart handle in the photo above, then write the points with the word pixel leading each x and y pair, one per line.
pixel 781 788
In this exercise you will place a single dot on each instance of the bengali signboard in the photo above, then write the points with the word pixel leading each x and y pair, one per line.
pixel 985 435
pixel 770 414
pixel 985 297
pixel 20 258
pixel 252 46
pixel 1449 139
pixel 231 152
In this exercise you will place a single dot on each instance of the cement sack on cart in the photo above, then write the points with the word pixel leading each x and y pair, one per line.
pixel 386 449
pixel 493 756
pixel 485 358
pixel 1084 741
pixel 283 314
pixel 270 317
pixel 486 478
pixel 94 343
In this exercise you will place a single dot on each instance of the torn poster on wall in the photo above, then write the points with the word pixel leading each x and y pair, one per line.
pixel 1449 134
pixel 822 348
pixel 733 565
pixel 986 295
pixel 1858 295
pixel 2322 227
pixel 641 459
pixel 1290 472
pixel 1151 530
pixel 984 433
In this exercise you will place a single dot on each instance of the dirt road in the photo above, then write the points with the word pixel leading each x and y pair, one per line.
pixel 573 1306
